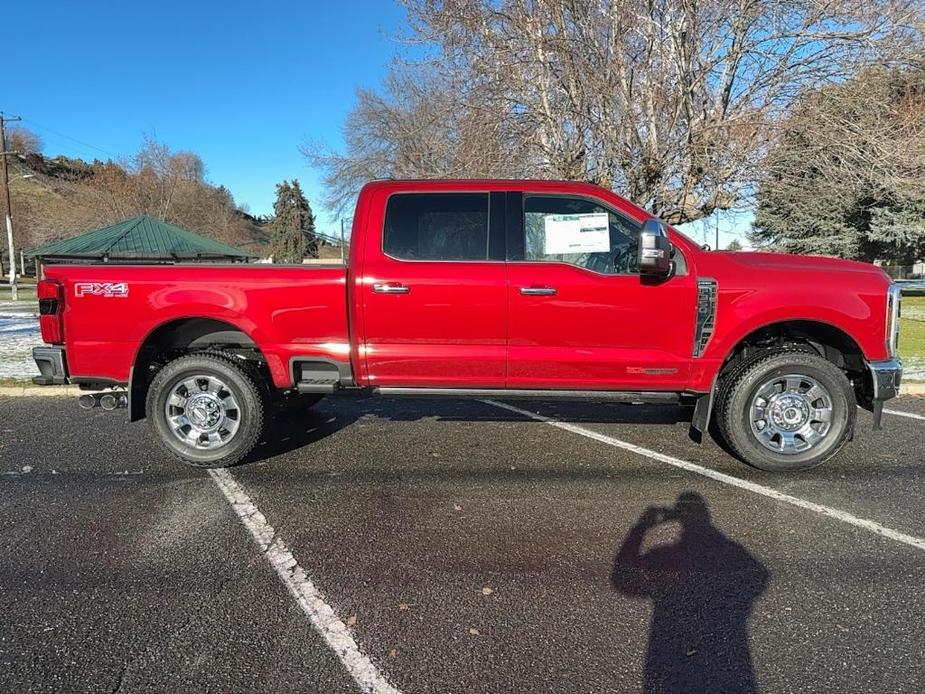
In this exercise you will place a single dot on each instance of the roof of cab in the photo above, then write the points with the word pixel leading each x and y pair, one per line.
pixel 465 185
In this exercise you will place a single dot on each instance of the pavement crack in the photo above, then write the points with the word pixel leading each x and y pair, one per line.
pixel 121 679
pixel 204 605
pixel 149 650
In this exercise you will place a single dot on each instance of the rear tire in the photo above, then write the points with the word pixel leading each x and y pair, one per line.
pixel 206 409
pixel 787 411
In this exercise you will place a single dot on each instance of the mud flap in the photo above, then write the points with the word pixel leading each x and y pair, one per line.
pixel 700 422
pixel 877 410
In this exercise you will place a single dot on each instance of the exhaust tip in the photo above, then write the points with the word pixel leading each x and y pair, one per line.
pixel 87 402
pixel 113 401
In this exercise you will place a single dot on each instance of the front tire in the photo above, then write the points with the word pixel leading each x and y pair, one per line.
pixel 787 411
pixel 207 410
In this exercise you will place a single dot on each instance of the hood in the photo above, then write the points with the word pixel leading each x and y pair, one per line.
pixel 800 263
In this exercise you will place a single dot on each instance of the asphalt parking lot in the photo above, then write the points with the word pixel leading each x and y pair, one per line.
pixel 456 546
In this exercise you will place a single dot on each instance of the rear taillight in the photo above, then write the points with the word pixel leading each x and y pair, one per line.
pixel 51 311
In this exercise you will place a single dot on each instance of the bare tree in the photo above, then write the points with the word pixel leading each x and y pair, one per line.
pixel 426 124
pixel 23 141
pixel 162 174
pixel 672 102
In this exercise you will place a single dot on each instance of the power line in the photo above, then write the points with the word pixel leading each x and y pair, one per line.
pixel 68 137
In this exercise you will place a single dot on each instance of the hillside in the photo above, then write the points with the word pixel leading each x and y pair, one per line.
pixel 59 197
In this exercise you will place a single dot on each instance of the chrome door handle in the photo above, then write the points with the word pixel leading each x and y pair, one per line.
pixel 538 291
pixel 388 288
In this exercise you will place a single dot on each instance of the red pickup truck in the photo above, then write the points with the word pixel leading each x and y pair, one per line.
pixel 475 288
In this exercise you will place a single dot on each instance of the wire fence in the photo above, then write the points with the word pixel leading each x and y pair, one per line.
pixel 905 272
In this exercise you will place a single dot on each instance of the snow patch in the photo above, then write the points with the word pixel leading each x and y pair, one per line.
pixel 913 369
pixel 19 333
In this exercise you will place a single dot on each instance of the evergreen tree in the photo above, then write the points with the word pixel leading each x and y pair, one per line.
pixel 292 227
pixel 847 177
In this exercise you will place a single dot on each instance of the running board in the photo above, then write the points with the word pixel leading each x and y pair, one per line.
pixel 318 385
pixel 642 397
pixel 320 377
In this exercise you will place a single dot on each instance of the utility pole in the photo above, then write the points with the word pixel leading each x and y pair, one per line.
pixel 343 262
pixel 9 209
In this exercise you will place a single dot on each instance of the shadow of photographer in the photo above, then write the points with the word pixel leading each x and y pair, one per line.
pixel 702 587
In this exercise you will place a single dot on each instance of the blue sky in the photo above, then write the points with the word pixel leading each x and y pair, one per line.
pixel 242 84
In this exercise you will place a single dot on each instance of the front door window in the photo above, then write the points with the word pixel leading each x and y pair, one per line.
pixel 579 232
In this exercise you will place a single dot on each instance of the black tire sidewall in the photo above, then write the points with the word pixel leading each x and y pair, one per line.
pixel 737 429
pixel 244 390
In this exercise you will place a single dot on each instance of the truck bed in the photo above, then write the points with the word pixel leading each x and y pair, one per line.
pixel 290 311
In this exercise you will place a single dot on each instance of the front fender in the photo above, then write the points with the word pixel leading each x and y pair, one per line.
pixel 859 315
pixel 740 313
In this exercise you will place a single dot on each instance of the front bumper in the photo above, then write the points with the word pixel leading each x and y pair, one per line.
pixel 52 365
pixel 885 379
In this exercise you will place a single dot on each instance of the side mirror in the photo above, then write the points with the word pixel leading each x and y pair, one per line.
pixel 653 256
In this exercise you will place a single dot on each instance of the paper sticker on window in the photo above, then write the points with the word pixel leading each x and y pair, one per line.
pixel 577 233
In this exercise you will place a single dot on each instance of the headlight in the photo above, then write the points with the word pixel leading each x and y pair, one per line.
pixel 893 302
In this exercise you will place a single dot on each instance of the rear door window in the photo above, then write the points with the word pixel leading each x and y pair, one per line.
pixel 436 226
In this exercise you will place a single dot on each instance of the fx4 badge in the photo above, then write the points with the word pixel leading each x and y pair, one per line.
pixel 107 289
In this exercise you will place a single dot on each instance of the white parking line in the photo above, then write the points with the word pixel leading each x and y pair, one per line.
pixel 844 517
pixel 322 615
pixel 905 414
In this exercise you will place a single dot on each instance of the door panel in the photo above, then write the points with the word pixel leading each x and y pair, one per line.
pixel 432 323
pixel 579 315
pixel 448 330
pixel 598 331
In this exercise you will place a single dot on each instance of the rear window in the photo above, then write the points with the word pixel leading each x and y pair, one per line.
pixel 436 226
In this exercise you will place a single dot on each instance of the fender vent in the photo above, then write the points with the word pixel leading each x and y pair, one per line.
pixel 706 314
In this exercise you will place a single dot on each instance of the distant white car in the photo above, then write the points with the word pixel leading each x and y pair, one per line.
pixel 916 285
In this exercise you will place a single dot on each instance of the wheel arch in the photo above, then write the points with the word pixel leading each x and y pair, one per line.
pixel 178 336
pixel 830 341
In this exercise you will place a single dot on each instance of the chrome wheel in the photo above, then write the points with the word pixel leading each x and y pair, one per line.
pixel 790 414
pixel 202 412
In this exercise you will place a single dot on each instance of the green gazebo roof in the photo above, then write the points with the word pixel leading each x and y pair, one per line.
pixel 138 238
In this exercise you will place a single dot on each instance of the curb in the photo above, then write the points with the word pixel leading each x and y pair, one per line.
pixel 29 390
